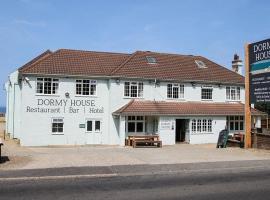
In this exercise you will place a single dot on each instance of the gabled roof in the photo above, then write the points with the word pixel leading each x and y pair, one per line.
pixel 167 67
pixel 77 62
pixel 165 108
pixel 176 67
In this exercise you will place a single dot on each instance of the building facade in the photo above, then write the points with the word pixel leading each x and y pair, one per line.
pixel 71 97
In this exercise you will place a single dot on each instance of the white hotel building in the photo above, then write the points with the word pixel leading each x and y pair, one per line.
pixel 71 97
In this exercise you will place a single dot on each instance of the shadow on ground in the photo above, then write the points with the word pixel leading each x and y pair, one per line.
pixel 4 159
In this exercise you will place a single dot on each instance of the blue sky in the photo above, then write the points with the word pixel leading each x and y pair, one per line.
pixel 212 28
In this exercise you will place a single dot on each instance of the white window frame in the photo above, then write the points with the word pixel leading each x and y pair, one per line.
pixel 94 130
pixel 57 120
pixel 54 83
pixel 139 89
pixel 135 120
pixel 202 126
pixel 80 82
pixel 233 90
pixel 236 120
pixel 179 87
pixel 207 88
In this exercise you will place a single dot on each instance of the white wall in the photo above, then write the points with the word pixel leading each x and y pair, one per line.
pixel 218 124
pixel 38 132
pixel 34 128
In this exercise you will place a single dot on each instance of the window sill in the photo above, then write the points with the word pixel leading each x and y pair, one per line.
pixel 206 99
pixel 89 96
pixel 57 133
pixel 48 95
pixel 206 133
pixel 133 97
pixel 180 99
pixel 228 100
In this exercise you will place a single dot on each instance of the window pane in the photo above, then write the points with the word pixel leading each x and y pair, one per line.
pixel 182 91
pixel 241 126
pixel 238 93
pixel 93 90
pixel 233 94
pixel 209 128
pixel 133 91
pixel 199 125
pixel 204 125
pixel 206 93
pixel 78 88
pixel 47 87
pixel 89 126
pixel 54 88
pixel 193 126
pixel 228 93
pixel 126 92
pixel 231 126
pixel 131 126
pixel 139 127
pixel 97 125
pixel 86 87
pixel 169 91
pixel 39 87
pixel 236 125
pixel 140 92
pixel 175 92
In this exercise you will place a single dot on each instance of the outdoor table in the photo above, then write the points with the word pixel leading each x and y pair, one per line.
pixel 145 137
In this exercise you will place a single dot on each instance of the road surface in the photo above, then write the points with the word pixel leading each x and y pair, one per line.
pixel 224 180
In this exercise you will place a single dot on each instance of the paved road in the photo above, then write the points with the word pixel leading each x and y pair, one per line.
pixel 225 180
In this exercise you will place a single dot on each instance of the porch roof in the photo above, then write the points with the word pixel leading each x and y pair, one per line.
pixel 165 108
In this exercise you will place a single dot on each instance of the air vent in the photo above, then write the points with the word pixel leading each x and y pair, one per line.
pixel 151 59
pixel 200 64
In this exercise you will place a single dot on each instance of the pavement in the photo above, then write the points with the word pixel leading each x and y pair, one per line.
pixel 17 157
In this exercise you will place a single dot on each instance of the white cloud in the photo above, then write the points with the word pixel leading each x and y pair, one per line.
pixel 29 23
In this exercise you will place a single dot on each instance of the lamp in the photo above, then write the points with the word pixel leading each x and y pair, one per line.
pixel 67 95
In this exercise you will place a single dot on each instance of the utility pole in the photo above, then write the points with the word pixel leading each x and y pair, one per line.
pixel 247 100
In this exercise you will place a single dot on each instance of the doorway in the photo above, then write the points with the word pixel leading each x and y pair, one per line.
pixel 180 130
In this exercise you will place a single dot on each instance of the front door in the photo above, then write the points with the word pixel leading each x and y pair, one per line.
pixel 93 131
pixel 180 130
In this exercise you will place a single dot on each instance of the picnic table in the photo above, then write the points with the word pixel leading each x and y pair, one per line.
pixel 133 140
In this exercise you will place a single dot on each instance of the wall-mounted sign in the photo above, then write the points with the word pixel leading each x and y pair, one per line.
pixel 58 105
pixel 165 125
pixel 259 68
pixel 81 125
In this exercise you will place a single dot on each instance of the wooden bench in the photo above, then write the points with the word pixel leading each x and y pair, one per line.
pixel 237 140
pixel 132 138
pixel 146 143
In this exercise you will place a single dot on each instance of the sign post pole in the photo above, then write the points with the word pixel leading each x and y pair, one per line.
pixel 247 100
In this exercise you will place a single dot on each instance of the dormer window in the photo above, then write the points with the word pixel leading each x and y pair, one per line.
pixel 151 60
pixel 200 64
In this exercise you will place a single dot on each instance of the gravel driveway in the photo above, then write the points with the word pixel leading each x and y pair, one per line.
pixel 72 156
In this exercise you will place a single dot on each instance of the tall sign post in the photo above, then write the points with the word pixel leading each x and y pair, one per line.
pixel 247 100
pixel 257 80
